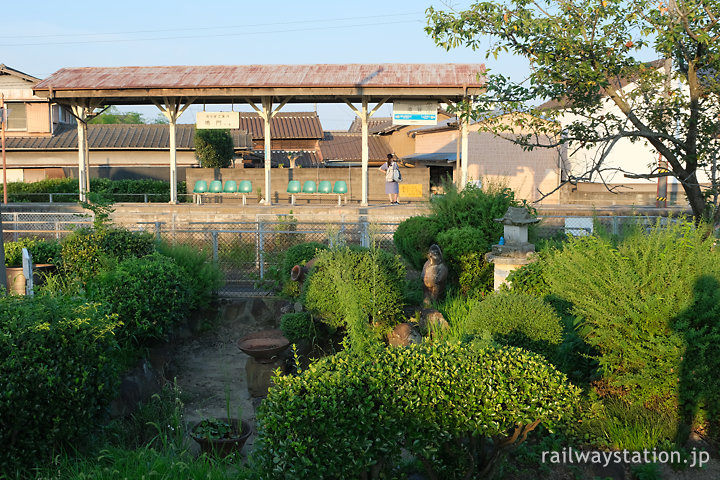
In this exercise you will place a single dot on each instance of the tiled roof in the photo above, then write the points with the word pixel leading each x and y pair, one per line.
pixel 284 125
pixel 121 137
pixel 347 146
pixel 305 158
pixel 375 124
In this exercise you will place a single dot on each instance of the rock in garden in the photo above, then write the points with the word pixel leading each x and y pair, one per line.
pixel 403 335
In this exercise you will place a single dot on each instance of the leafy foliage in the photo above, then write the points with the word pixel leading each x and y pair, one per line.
pixel 297 326
pixel 201 275
pixel 413 238
pixel 88 251
pixel 582 56
pixel 376 277
pixel 150 295
pixel 117 190
pixel 517 319
pixel 350 414
pixel 56 362
pixel 214 148
pixel 636 300
pixel 42 251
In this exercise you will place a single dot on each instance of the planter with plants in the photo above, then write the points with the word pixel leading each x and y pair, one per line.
pixel 44 254
pixel 221 436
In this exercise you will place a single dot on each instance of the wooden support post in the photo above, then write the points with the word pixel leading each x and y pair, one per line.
pixel 267 113
pixel 172 108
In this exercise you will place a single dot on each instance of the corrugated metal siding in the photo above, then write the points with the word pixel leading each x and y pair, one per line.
pixel 348 146
pixel 121 137
pixel 321 75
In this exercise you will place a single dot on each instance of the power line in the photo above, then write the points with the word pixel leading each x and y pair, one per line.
pixel 244 27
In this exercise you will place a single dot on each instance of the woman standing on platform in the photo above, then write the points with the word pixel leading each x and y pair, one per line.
pixel 392 187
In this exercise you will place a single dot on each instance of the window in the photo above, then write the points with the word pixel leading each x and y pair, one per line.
pixel 17 116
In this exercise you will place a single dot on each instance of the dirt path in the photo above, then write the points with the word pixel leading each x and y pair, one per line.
pixel 210 369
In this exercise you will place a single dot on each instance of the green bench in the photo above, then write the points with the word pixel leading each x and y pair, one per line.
pixel 216 188
pixel 325 187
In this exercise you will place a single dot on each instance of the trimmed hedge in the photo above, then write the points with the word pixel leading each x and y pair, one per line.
pixel 116 190
pixel 150 295
pixel 349 416
pixel 88 251
pixel 413 238
pixel 297 326
pixel 58 373
pixel 518 319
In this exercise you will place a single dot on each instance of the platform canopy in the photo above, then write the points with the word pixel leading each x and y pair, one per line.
pixel 173 88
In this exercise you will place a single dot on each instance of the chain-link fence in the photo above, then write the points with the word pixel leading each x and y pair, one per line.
pixel 250 253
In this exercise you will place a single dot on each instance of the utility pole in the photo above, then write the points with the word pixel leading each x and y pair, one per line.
pixel 3 120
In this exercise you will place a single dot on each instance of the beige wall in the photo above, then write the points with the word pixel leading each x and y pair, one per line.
pixel 280 176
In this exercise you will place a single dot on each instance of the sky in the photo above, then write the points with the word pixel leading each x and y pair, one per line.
pixel 81 33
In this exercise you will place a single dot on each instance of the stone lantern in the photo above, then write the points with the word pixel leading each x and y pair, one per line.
pixel 516 252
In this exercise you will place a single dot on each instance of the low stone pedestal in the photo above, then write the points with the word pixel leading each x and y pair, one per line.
pixel 259 375
pixel 502 266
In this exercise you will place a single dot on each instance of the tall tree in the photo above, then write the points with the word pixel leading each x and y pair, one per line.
pixel 114 116
pixel 582 54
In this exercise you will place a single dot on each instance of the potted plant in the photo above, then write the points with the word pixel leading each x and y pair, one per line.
pixel 221 436
pixel 44 255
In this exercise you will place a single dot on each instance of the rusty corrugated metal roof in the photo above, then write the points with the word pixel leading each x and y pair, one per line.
pixel 347 146
pixel 284 125
pixel 375 124
pixel 320 75
pixel 121 137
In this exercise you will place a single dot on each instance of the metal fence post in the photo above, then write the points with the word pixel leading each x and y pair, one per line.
pixel 364 235
pixel 260 252
pixel 215 245
pixel 158 230
pixel 615 225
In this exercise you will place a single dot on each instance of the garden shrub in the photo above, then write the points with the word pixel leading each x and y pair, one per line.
pixel 349 416
pixel 150 295
pixel 88 251
pixel 413 238
pixel 517 319
pixel 529 278
pixel 297 326
pixel 475 274
pixel 202 275
pixel 376 277
pixel 214 148
pixel 58 373
pixel 643 310
pixel 42 251
pixel 300 254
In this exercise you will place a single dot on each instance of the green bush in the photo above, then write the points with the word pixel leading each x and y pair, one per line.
pixel 300 254
pixel 348 416
pixel 529 278
pixel 58 374
pixel 42 251
pixel 475 274
pixel 643 309
pixel 88 251
pixel 214 148
pixel 202 276
pixel 150 295
pixel 413 238
pixel 297 326
pixel 376 277
pixel 517 319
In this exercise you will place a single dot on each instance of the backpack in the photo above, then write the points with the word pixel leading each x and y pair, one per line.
pixel 393 174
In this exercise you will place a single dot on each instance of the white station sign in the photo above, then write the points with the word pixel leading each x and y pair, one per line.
pixel 415 112
pixel 221 120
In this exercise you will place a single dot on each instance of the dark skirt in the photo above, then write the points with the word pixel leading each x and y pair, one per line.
pixel 392 187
